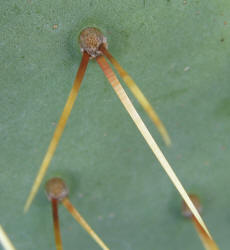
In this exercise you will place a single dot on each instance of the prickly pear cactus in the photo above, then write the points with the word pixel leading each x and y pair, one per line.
pixel 178 53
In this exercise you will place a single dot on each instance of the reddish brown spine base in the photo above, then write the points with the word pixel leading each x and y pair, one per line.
pixel 208 242
pixel 59 130
pixel 57 231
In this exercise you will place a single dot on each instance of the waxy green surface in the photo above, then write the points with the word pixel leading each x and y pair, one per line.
pixel 178 54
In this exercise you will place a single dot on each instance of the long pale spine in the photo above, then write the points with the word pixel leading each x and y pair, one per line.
pixel 5 241
pixel 147 136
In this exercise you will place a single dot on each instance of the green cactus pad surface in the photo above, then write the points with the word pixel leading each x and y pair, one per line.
pixel 178 52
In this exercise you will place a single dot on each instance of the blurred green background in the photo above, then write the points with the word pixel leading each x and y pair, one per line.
pixel 178 53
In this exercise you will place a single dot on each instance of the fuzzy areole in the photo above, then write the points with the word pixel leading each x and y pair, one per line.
pixel 56 189
pixel 90 40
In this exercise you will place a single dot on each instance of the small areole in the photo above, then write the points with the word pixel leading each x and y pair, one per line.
pixel 57 191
